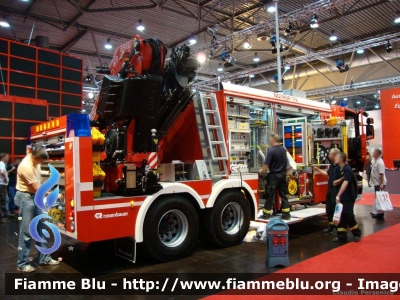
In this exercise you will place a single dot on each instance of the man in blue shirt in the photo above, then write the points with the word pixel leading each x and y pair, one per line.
pixel 347 196
pixel 276 163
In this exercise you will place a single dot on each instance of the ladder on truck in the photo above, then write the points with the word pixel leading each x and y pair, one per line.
pixel 214 138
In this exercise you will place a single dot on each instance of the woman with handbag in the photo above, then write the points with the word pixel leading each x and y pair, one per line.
pixel 378 179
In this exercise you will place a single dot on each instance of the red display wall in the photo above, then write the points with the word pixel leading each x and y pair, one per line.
pixel 17 115
pixel 390 107
pixel 38 73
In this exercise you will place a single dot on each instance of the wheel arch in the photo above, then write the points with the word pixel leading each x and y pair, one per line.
pixel 168 189
pixel 233 184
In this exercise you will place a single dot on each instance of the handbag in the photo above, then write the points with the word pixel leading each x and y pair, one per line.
pixel 338 213
pixel 383 202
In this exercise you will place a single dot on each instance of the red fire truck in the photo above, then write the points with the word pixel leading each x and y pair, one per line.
pixel 172 165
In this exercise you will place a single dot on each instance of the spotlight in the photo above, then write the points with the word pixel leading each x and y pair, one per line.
pixel 389 47
pixel 271 8
pixel 192 41
pixel 229 62
pixel 272 40
pixel 246 44
pixel 201 57
pixel 108 44
pixel 276 79
pixel 289 29
pixel 251 75
pixel 140 25
pixel 342 67
pixel 256 58
pixel 314 21
pixel 360 51
pixel 89 78
pixel 220 68
pixel 90 95
pixel 333 36
pixel 4 22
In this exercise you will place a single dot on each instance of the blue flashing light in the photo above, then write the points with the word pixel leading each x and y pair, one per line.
pixel 78 125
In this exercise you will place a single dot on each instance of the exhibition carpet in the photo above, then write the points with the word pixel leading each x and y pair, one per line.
pixel 376 253
pixel 368 199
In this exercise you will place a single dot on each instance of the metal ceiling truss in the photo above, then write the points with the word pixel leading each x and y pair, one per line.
pixel 355 86
pixel 305 12
pixel 331 52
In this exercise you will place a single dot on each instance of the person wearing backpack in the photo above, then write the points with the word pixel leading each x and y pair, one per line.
pixel 347 196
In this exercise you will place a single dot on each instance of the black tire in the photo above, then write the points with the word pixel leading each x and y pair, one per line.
pixel 157 222
pixel 212 225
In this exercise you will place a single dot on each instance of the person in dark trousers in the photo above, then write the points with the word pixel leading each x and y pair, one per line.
pixel 347 196
pixel 276 163
pixel 330 202
pixel 378 179
pixel 12 182
pixel 368 167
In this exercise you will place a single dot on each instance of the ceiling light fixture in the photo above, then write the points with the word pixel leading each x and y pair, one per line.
pixel 4 22
pixel 333 36
pixel 90 95
pixel 140 25
pixel 314 21
pixel 271 8
pixel 192 41
pixel 251 75
pixel 333 102
pixel 358 102
pixel 389 47
pixel 360 51
pixel 201 57
pixel 397 18
pixel 377 106
pixel 344 99
pixel 108 45
pixel 287 67
pixel 246 44
pixel 220 68
pixel 256 58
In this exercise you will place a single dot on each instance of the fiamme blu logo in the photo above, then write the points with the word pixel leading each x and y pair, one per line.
pixel 45 204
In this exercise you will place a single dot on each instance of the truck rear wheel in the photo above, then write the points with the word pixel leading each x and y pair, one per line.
pixel 170 228
pixel 228 222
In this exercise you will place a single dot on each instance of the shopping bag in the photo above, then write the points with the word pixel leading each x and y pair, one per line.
pixel 383 201
pixel 338 213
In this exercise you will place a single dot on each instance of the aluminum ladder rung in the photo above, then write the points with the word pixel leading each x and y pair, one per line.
pixel 216 142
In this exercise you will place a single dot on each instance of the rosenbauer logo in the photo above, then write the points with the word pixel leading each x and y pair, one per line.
pixel 44 204
pixel 397 106
pixel 394 96
pixel 100 215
